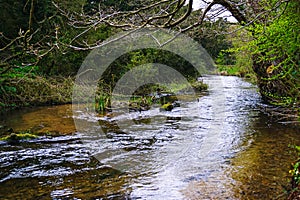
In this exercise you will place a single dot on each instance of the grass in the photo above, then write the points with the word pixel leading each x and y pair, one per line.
pixel 230 70
pixel 235 70
pixel 26 91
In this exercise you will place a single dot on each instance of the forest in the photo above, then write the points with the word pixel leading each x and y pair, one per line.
pixel 45 42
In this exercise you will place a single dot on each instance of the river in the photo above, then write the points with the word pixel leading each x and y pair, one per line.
pixel 219 146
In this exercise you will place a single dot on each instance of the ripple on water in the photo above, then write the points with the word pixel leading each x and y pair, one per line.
pixel 219 147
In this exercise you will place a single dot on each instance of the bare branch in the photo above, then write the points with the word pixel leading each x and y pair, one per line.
pixel 162 13
pixel 188 12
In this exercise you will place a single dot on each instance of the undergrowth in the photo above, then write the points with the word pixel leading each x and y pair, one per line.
pixel 25 91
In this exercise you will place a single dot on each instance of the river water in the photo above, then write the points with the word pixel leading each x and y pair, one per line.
pixel 218 146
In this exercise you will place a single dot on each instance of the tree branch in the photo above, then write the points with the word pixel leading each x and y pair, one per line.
pixel 188 12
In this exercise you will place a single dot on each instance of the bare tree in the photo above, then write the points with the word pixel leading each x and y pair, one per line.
pixel 170 14
pixel 28 47
pixel 164 14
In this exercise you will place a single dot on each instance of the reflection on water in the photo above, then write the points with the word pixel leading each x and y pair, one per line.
pixel 220 147
pixel 54 119
pixel 261 169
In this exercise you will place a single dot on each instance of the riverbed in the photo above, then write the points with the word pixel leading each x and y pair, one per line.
pixel 220 145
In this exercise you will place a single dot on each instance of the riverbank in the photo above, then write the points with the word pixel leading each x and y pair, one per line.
pixel 233 70
pixel 289 113
pixel 35 91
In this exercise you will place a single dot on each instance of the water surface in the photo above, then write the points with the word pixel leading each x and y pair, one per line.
pixel 220 146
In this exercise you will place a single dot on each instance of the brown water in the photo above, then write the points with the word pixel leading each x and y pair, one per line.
pixel 219 147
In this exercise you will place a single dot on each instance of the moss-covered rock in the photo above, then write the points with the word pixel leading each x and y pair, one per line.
pixel 16 137
pixel 167 107
pixel 199 86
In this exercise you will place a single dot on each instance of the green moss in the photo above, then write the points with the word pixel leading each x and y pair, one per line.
pixel 18 136
pixel 167 107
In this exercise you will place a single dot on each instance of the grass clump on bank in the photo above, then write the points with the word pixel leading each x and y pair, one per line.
pixel 144 97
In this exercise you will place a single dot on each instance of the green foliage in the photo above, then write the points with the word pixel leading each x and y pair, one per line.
pixel 12 19
pixel 102 102
pixel 276 48
pixel 225 58
pixel 243 58
pixel 140 103
pixel 35 91
pixel 30 58
pixel 242 65
pixel 215 44
pixel 231 70
pixel 141 57
pixel 295 171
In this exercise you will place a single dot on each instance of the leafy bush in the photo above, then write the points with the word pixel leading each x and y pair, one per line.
pixel 295 171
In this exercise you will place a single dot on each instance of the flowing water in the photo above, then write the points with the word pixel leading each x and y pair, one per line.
pixel 219 146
